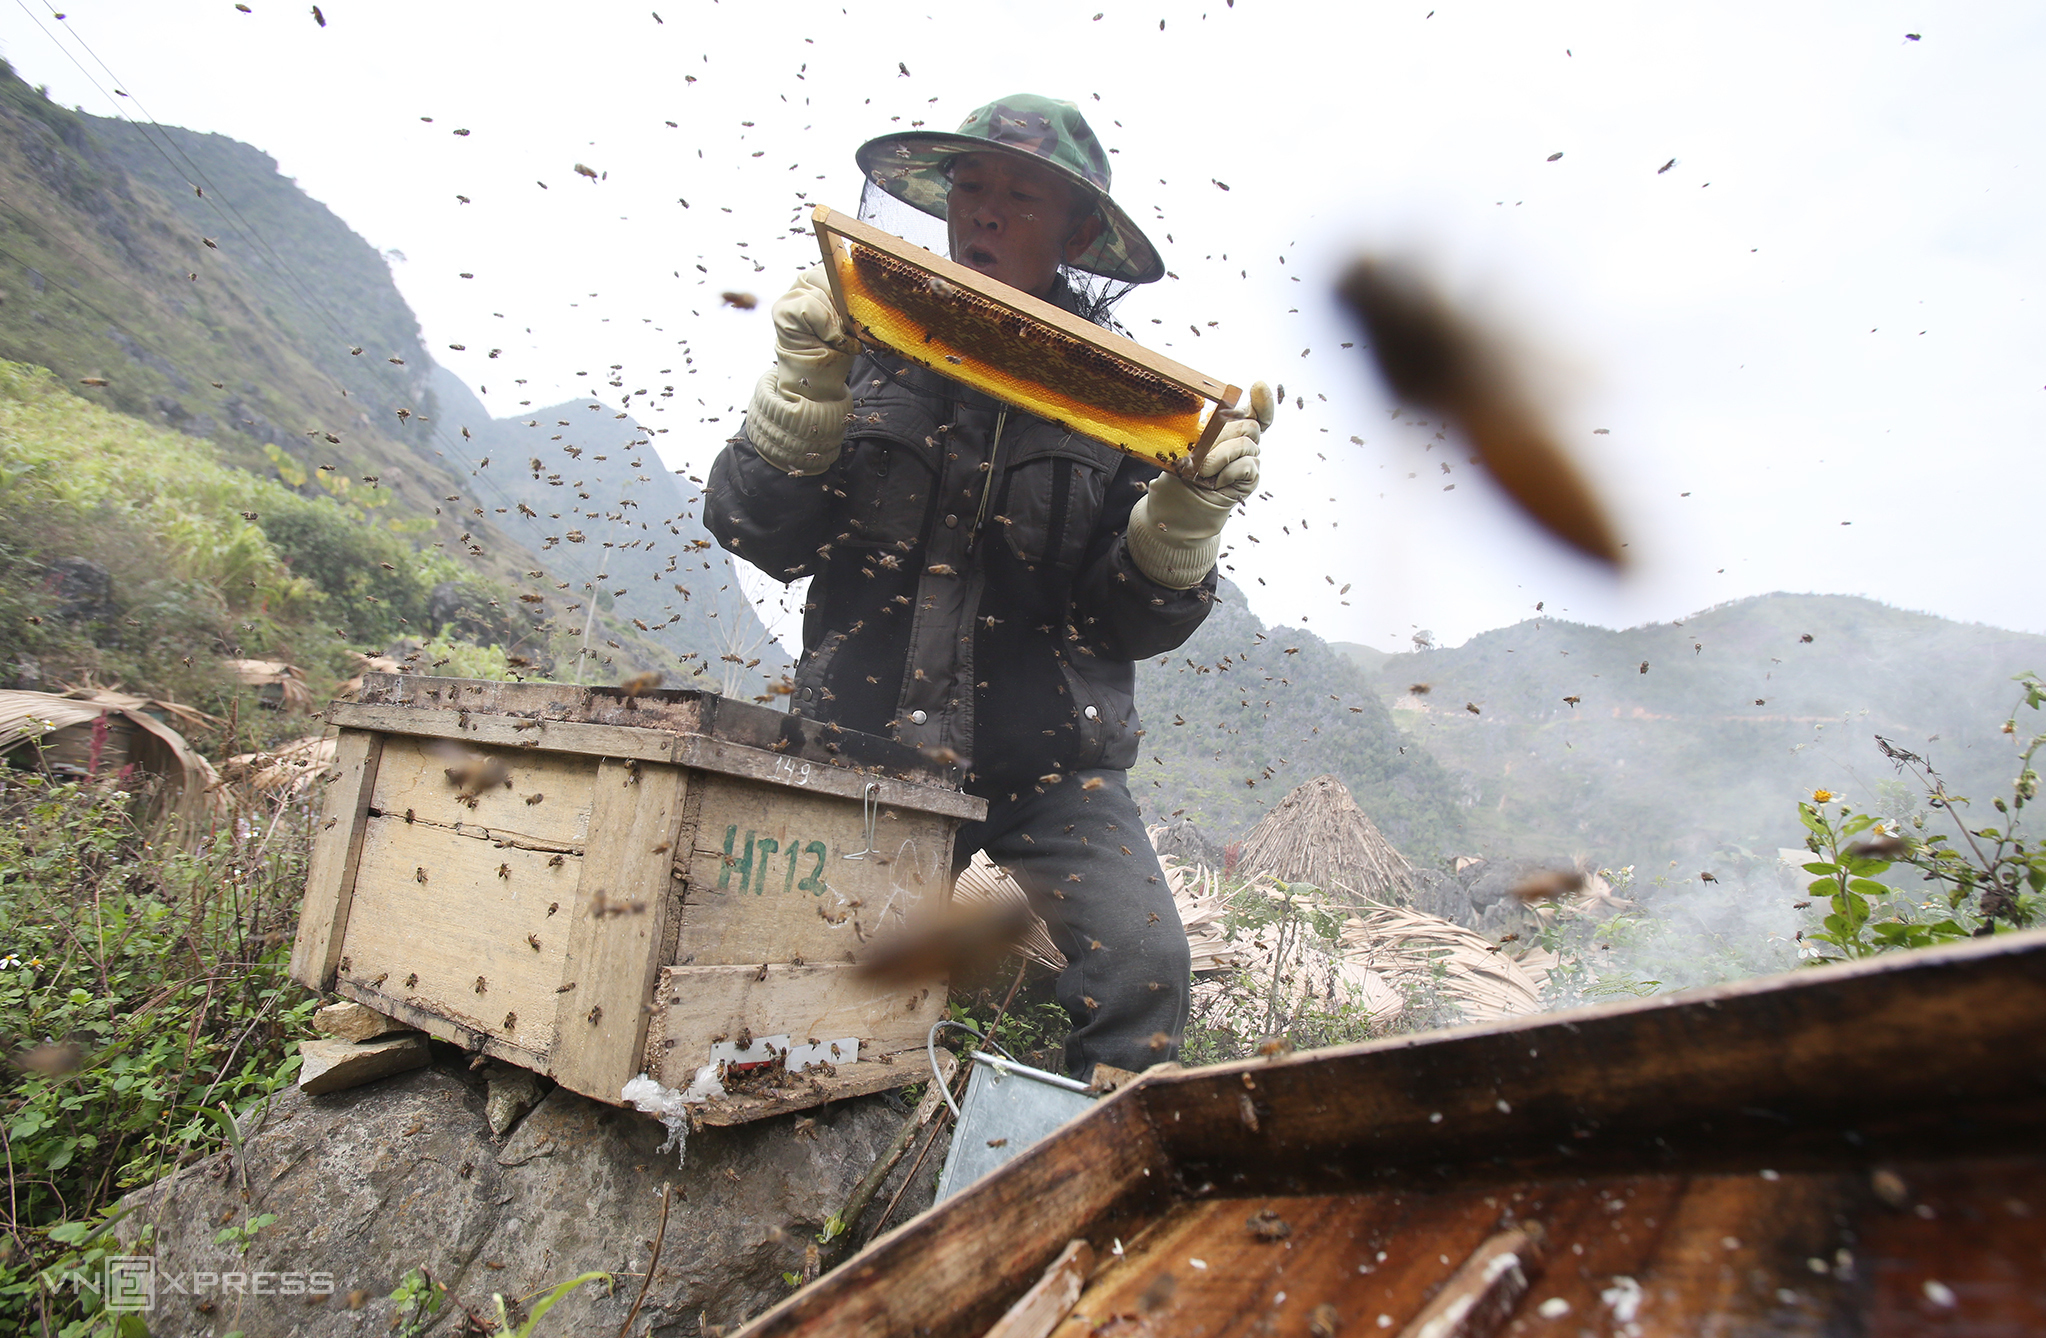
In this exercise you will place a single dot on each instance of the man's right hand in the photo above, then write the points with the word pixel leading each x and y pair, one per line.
pixel 796 420
pixel 812 351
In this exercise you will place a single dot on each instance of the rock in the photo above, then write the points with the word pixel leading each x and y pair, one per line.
pixel 511 1093
pixel 330 1066
pixel 349 1021
pixel 370 1183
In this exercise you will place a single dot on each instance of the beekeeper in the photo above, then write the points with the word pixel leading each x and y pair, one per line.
pixel 983 581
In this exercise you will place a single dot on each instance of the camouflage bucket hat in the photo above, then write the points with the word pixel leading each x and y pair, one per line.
pixel 911 166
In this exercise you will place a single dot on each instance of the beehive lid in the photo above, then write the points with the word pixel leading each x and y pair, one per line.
pixel 677 711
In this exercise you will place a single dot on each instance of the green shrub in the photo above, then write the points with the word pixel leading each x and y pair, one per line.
pixel 143 998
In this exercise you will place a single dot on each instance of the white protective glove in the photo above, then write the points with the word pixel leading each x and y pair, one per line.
pixel 1175 529
pixel 796 420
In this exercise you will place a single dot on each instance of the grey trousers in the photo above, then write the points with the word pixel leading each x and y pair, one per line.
pixel 1082 857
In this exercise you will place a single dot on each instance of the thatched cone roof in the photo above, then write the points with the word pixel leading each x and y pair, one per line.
pixel 1318 835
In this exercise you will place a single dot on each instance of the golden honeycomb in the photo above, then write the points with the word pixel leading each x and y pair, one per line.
pixel 1015 358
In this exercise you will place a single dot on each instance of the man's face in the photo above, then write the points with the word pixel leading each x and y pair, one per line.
pixel 1013 221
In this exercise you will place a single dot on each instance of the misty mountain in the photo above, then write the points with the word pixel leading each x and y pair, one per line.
pixel 1702 754
pixel 609 518
pixel 1242 713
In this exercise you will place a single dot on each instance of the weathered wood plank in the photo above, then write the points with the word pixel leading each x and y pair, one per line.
pixel 759 764
pixel 441 1028
pixel 505 731
pixel 695 1006
pixel 1482 1293
pixel 482 948
pixel 331 870
pixel 955 1270
pixel 672 711
pixel 619 924
pixel 1040 1309
pixel 1692 1079
pixel 1230 1266
pixel 769 881
pixel 802 1091
pixel 547 803
pixel 651 745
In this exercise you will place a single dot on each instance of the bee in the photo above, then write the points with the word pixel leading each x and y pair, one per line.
pixel 1644 666
pixel 1548 885
pixel 419 874
pixel 1472 707
pixel 482 985
pixel 504 872
pixel 1707 877
pixel 533 941
pixel 1420 689
pixel 1435 356
pixel 92 380
pixel 639 684
pixel 1246 1111
pixel 533 799
pixel 511 1021
pixel 596 1015
pixel 1573 701
pixel 563 989
pixel 473 773
pixel 1266 1225
pixel 553 906
pixel 554 863
pixel 412 981
pixel 742 301
pixel 1275 1047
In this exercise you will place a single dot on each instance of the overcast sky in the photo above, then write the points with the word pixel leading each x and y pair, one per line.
pixel 1816 341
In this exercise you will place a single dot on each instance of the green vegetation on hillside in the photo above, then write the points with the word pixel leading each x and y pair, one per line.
pixel 139 1028
pixel 251 321
pixel 205 560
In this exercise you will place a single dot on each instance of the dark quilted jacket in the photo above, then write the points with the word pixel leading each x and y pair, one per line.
pixel 971 595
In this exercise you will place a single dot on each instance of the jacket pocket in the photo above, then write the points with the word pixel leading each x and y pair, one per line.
pixel 807 693
pixel 891 483
pixel 1052 491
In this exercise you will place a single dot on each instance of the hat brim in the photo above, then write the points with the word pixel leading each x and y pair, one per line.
pixel 910 165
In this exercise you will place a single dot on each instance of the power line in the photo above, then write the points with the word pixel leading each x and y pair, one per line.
pixel 214 202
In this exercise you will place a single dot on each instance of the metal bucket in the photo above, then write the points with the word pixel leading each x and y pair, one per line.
pixel 1008 1108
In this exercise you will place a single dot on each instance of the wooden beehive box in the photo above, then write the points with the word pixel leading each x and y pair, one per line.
pixel 593 886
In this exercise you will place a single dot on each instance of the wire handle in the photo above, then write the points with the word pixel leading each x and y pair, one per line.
pixel 870 810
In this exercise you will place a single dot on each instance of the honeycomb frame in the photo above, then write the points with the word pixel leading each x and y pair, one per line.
pixel 1017 348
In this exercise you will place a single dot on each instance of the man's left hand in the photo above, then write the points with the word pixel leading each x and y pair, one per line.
pixel 1175 529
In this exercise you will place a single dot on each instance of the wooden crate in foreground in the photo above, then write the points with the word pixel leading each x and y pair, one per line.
pixel 1848 1150
pixel 593 886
